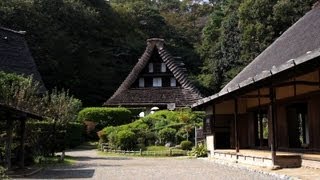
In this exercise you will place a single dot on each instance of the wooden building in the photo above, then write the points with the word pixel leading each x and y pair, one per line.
pixel 156 80
pixel 274 102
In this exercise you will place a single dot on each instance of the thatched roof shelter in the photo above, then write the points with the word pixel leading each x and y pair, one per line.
pixel 184 93
pixel 15 57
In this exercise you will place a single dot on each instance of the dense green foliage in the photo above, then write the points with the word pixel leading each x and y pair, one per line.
pixel 238 31
pixel 158 128
pixel 167 134
pixel 23 93
pixel 89 46
pixel 105 116
pixel 41 135
pixel 58 110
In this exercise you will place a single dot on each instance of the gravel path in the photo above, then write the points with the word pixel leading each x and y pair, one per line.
pixel 92 166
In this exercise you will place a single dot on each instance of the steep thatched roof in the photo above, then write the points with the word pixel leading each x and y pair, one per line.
pixel 294 48
pixel 15 56
pixel 182 96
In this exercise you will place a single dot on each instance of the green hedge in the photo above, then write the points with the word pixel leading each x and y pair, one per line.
pixel 105 116
pixel 41 134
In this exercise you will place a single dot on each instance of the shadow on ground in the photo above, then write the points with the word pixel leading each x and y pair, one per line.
pixel 64 173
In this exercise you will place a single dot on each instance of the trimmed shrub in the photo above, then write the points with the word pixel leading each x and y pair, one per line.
pixel 186 145
pixel 104 133
pixel 105 116
pixel 96 118
pixel 126 139
pixel 167 135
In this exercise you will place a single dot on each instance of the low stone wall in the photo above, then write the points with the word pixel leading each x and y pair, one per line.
pixel 283 161
pixel 252 160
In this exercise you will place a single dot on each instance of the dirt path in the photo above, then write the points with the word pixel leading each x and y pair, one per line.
pixel 90 165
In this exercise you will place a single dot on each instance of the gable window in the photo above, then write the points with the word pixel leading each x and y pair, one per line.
pixel 173 82
pixel 141 82
pixel 157 82
pixel 163 67
pixel 150 67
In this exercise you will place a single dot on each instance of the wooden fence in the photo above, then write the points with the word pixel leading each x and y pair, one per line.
pixel 170 152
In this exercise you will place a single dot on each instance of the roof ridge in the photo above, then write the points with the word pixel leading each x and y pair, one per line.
pixel 166 57
pixel 13 31
pixel 316 5
pixel 177 71
pixel 136 70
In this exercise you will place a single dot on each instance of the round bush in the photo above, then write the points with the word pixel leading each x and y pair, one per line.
pixel 167 135
pixel 126 140
pixel 186 145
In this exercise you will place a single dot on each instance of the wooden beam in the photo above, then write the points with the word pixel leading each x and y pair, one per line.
pixel 260 120
pixel 254 96
pixel 236 124
pixel 294 87
pixel 319 77
pixel 273 120
pixel 214 126
pixel 292 83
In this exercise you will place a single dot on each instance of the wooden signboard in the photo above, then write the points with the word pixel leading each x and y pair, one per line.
pixel 208 125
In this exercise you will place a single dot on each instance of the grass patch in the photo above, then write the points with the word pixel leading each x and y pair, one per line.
pixel 157 148
pixel 54 161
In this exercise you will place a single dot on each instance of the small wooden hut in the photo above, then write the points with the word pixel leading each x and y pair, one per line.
pixel 274 102
pixel 156 80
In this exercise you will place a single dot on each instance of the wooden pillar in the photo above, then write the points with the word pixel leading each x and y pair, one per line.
pixel 236 139
pixel 273 121
pixel 319 77
pixel 9 129
pixel 214 127
pixel 22 140
pixel 260 120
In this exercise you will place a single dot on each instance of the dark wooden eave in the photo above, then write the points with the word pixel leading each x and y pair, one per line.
pixel 18 112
